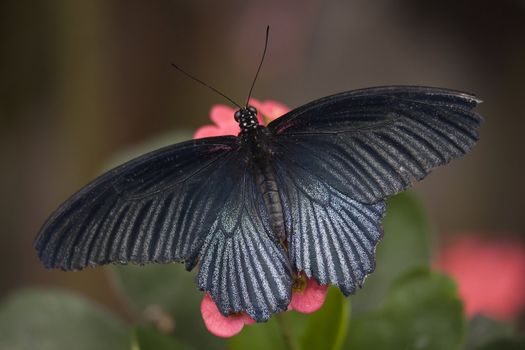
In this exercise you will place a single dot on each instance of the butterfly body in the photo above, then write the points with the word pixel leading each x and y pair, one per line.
pixel 305 193
pixel 260 157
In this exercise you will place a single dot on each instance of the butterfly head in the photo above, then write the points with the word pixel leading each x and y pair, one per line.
pixel 247 118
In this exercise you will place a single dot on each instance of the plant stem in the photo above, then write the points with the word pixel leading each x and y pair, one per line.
pixel 286 333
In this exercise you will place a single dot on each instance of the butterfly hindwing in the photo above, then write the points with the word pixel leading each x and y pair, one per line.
pixel 156 208
pixel 243 266
pixel 330 236
pixel 372 143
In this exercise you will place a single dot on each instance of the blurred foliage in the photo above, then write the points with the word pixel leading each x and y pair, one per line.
pixel 483 331
pixel 421 311
pixel 325 329
pixel 505 344
pixel 406 244
pixel 151 339
pixel 328 327
pixel 157 292
pixel 57 320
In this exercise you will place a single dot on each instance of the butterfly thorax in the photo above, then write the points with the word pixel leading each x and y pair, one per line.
pixel 247 118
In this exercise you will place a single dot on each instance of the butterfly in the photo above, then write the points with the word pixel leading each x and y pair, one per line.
pixel 304 194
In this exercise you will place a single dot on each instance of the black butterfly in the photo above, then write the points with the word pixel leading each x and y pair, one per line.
pixel 306 193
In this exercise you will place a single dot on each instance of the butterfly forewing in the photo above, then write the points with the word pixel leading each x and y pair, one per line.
pixel 372 143
pixel 338 158
pixel 156 208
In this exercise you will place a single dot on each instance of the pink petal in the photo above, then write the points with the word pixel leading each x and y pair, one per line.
pixel 268 110
pixel 207 131
pixel 256 103
pixel 230 129
pixel 222 115
pixel 220 325
pixel 273 110
pixel 247 319
pixel 310 299
pixel 490 274
pixel 225 124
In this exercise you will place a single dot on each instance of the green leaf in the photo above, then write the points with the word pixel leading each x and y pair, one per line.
pixel 170 291
pixel 262 336
pixel 327 327
pixel 483 330
pixel 421 311
pixel 406 244
pixel 150 339
pixel 58 320
pixel 488 334
pixel 324 329
pixel 517 343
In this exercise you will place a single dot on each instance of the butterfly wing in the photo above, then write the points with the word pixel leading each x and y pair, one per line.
pixel 193 201
pixel 338 158
pixel 156 208
pixel 372 143
pixel 331 236
pixel 243 266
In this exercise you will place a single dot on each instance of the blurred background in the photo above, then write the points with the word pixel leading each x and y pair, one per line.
pixel 82 80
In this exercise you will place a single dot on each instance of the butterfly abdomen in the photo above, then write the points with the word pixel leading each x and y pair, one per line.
pixel 265 179
pixel 267 184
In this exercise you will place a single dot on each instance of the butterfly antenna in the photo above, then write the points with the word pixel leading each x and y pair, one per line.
pixel 203 83
pixel 260 64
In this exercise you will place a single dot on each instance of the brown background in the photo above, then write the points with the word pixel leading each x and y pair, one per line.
pixel 81 80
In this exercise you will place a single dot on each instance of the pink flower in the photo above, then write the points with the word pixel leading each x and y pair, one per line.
pixel 224 124
pixel 307 295
pixel 490 274
pixel 220 325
